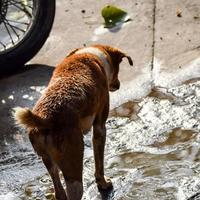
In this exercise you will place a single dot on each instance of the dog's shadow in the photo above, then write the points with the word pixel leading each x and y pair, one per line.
pixel 106 194
pixel 20 89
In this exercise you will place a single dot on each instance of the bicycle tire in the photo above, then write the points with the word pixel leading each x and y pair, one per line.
pixel 32 42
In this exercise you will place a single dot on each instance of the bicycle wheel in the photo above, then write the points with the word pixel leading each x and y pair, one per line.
pixel 24 27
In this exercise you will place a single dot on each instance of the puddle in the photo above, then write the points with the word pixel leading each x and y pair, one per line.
pixel 161 93
pixel 152 152
pixel 128 109
pixel 177 136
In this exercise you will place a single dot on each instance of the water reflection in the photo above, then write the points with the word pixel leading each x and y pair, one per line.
pixel 176 136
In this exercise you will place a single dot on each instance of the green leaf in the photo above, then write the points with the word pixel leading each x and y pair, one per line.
pixel 113 15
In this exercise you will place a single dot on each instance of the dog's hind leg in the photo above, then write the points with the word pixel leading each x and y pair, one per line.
pixel 71 163
pixel 74 189
pixel 54 173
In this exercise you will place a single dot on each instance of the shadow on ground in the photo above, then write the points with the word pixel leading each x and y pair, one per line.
pixel 21 89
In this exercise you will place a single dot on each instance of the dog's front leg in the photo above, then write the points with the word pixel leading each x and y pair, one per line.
pixel 99 138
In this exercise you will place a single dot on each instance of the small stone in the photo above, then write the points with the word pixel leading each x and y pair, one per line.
pixel 178 13
pixel 3 101
pixel 11 97
pixel 49 196
pixel 26 96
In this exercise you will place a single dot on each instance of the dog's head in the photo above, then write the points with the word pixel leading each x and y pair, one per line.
pixel 111 58
pixel 115 58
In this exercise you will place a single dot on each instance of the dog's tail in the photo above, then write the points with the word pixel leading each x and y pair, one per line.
pixel 26 118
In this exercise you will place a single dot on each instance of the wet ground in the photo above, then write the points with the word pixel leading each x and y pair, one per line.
pixel 153 140
pixel 152 151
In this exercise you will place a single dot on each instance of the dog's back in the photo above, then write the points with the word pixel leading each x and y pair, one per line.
pixel 77 86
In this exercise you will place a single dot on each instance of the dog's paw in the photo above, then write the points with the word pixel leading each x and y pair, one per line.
pixel 104 183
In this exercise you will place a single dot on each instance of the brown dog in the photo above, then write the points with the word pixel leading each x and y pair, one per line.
pixel 76 99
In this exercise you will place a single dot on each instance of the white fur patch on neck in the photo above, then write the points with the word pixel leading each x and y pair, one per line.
pixel 101 55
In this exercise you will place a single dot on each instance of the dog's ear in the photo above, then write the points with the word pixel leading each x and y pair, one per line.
pixel 72 52
pixel 124 55
pixel 117 54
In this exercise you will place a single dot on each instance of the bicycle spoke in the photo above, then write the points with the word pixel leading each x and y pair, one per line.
pixel 2 44
pixel 23 31
pixel 8 32
pixel 22 9
pixel 20 3
pixel 16 27
pixel 13 21
pixel 14 31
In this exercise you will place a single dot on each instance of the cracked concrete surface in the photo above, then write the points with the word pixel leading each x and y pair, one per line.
pixel 163 45
pixel 177 41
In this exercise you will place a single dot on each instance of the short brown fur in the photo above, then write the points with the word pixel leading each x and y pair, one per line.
pixel 76 98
